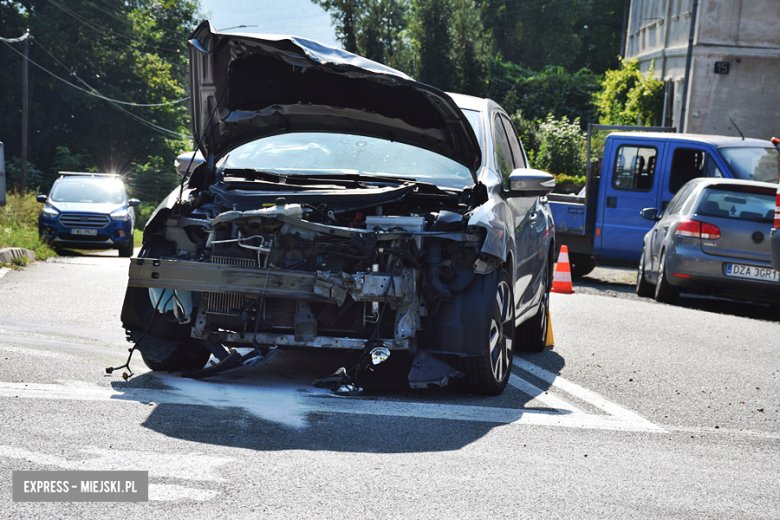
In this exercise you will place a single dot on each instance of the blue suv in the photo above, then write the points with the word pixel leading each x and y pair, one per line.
pixel 88 211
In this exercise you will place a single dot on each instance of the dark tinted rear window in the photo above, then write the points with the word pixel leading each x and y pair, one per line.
pixel 754 204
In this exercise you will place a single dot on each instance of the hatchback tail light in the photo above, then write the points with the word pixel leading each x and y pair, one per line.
pixel 696 229
pixel 777 210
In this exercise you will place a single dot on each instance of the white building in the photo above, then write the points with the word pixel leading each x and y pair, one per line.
pixel 735 70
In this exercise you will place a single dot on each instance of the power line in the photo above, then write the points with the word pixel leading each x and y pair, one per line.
pixel 95 92
pixel 113 34
pixel 170 133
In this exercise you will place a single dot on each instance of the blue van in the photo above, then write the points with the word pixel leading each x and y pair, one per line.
pixel 645 170
pixel 88 211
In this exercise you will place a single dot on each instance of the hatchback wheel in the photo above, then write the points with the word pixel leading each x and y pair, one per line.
pixel 664 291
pixel 643 287
pixel 488 373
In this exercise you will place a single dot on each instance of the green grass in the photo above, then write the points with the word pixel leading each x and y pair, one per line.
pixel 19 225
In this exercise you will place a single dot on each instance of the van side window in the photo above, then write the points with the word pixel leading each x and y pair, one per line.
pixel 687 164
pixel 634 168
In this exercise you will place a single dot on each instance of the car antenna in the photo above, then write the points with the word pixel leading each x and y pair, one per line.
pixel 738 130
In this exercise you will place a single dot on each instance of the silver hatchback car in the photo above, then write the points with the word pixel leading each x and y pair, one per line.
pixel 713 238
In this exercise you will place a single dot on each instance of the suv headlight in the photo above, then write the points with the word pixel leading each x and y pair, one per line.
pixel 50 212
pixel 121 214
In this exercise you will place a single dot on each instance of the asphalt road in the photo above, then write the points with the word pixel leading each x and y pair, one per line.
pixel 641 410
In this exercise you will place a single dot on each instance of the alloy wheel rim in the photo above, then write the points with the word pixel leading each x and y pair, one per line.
pixel 499 349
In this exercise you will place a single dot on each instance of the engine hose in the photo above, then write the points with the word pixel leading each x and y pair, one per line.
pixel 432 265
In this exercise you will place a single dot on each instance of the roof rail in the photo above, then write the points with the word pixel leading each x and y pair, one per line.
pixel 88 174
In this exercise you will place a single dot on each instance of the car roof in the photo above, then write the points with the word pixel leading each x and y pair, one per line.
pixel 718 141
pixel 709 181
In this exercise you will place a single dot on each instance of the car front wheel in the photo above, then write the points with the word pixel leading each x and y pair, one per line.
pixel 126 251
pixel 488 373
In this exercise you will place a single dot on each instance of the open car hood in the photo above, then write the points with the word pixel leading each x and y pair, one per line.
pixel 269 84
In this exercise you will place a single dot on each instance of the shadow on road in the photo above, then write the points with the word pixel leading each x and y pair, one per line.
pixel 275 407
pixel 618 283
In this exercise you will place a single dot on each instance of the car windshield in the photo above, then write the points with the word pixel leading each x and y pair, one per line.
pixel 753 163
pixel 754 204
pixel 96 191
pixel 333 154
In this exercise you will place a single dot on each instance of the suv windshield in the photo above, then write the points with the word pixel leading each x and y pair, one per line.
pixel 325 153
pixel 753 163
pixel 95 191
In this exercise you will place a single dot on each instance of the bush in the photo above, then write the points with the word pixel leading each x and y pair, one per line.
pixel 561 147
pixel 19 224
pixel 143 212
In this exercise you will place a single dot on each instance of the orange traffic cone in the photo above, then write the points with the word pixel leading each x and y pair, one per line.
pixel 562 278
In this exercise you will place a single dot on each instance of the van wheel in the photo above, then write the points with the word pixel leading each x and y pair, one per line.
pixel 581 265
pixel 643 287
pixel 664 291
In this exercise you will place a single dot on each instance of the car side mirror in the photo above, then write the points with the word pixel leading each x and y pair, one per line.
pixel 650 214
pixel 527 182
pixel 182 162
pixel 41 198
pixel 133 202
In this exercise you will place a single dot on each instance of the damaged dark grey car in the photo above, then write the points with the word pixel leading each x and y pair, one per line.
pixel 341 205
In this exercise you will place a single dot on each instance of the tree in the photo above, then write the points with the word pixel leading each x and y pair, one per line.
pixel 344 14
pixel 570 33
pixel 126 50
pixel 628 97
pixel 430 31
pixel 472 49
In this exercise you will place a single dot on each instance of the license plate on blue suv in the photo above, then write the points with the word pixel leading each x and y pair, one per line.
pixel 752 272
pixel 79 231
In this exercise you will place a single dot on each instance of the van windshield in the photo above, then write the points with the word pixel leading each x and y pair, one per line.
pixel 753 163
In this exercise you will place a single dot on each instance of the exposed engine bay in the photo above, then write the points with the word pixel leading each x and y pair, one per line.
pixel 341 265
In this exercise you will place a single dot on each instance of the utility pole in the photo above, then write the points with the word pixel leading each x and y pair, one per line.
pixel 25 103
pixel 688 60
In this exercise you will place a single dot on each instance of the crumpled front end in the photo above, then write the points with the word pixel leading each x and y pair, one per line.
pixel 298 276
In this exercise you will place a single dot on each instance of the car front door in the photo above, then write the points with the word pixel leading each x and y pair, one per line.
pixel 509 156
pixel 631 188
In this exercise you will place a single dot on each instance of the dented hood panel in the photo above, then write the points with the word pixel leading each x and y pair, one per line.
pixel 269 84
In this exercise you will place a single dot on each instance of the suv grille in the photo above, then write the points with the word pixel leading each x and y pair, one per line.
pixel 84 220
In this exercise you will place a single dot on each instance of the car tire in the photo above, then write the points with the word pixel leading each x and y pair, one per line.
pixel 531 335
pixel 184 359
pixel 643 287
pixel 581 265
pixel 126 251
pixel 664 291
pixel 488 373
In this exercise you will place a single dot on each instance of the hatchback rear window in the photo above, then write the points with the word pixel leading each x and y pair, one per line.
pixel 753 204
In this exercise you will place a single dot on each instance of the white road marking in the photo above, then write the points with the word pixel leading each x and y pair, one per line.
pixel 290 402
pixel 183 466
